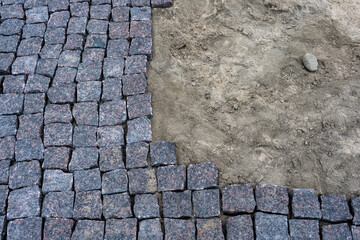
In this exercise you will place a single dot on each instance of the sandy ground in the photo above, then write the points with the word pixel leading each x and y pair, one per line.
pixel 229 87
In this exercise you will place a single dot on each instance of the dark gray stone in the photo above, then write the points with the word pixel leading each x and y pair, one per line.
pixel 206 203
pixel 58 204
pixel 84 158
pixel 146 206
pixel 88 91
pixel 110 136
pixel 86 113
pixel 202 176
pixel 142 180
pixel 58 134
pixel 24 65
pixel 304 229
pixel 139 130
pixel 8 125
pixel 179 229
pixel 177 204
pixel 209 229
pixel 112 113
pixel 117 206
pixel 84 136
pixel 272 198
pixel 37 15
pixel 115 181
pixel 57 180
pixel 124 229
pixel 24 174
pixel 88 205
pixel 239 227
pixel 86 180
pixel 29 149
pixel 27 228
pixel 336 232
pixel 150 229
pixel 334 208
pixel 305 204
pixel 270 226
pixel 238 199
pixel 24 202
pixel 89 230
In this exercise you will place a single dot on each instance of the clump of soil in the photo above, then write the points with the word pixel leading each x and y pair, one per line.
pixel 229 87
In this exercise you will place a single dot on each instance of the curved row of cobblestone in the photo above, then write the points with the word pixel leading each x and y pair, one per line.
pixel 77 159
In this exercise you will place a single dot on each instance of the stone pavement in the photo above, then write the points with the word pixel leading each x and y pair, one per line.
pixel 77 159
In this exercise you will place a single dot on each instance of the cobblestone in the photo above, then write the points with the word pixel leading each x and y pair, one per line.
pixel 93 55
pixel 177 204
pixel 58 134
pixel 56 158
pixel 84 136
pixel 29 149
pixel 14 84
pixel 272 198
pixel 121 228
pixel 112 113
pixel 110 136
pixel 86 113
pixel 77 25
pixel 179 229
pixel 57 180
pixel 9 43
pixel 136 64
pixel 304 229
pixel 86 180
pixel 134 84
pixel 150 229
pixel 27 228
pixel 206 203
pixel 11 103
pixel 119 30
pixel 146 206
pixel 111 89
pixel 34 103
pixel 136 155
pixel 209 229
pixel 117 206
pixel 55 36
pixel 202 176
pixel 111 158
pixel 305 204
pixel 84 158
pixel 37 83
pixel 4 171
pixel 336 231
pixel 25 65
pixel 24 202
pixel 142 180
pixel 121 14
pixel 12 11
pixel 140 13
pixel 239 227
pixel 88 205
pixel 139 130
pixel 34 30
pixel 171 178
pixel 115 181
pixel 79 9
pixel 58 204
pixel 29 126
pixel 24 174
pixel 8 125
pixel 238 199
pixel 161 3
pixel 59 19
pixel 88 230
pixel 4 192
pixel 88 91
pixel 11 27
pixel 97 26
pixel 7 148
pixel 56 113
pixel 334 208
pixel 62 93
pixel 58 228
pixel 270 226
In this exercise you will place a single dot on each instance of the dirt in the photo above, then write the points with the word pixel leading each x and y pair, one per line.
pixel 229 87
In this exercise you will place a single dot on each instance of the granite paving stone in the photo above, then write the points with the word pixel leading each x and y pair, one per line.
pixel 29 46
pixel 88 230
pixel 271 226
pixel 161 153
pixel 140 3
pixel 58 228
pixel 11 26
pixel 334 208
pixel 238 199
pixel 14 84
pixel 97 26
pixel 120 14
pixel 51 51
pixel 4 192
pixel 55 36
pixel 34 3
pixel 111 158
pixel 29 149
pixel 117 206
pixel 209 229
pixel 355 207
pixel 79 9
pixel 112 113
pixel 24 202
pixel 136 64
pixel 115 181
pixel 24 65
pixel 177 204
pixel 34 30
pixel 77 25
pixel 96 41
pixel 69 59
pixel 136 155
pixel 24 174
pixel 140 13
pixel 111 89
pixel 161 3
pixel 7 147
pixel 336 232
pixel 88 91
pixel 134 84
pixel 304 229
pixel 239 227
pixel 26 228
pixel 113 67
pixel 202 176
pixel 74 42
pixel 57 113
pixel 355 230
pixel 6 61
pixel 89 71
pixel 84 158
pixel 124 229
pixel 58 5
pixel 46 67
pixel 272 198
pixel 117 48
pixel 84 136
pixel 305 204
pixel 59 19
pixel 64 75
pixel 141 46
pixel 142 180
pixel 6 2
pixel 146 206
pixel 179 229
pixel 110 136
pixel 9 43
pixel 120 3
pixel 11 103
pixel 95 55
pixel 100 2
pixel 58 134
pixel 58 204
pixel 34 103
pixel 206 203
pixel 171 178
pixel 150 229
pixel 8 125
pixel 86 113
pixel 86 180
pixel 62 93
pixel 30 126
pixel 57 180
pixel 4 171
pixel 88 205
pixel 37 84
pixel 119 30
pixel 37 15
pixel 139 106
pixel 100 11
pixel 56 158
pixel 12 11
pixel 140 29
pixel 139 130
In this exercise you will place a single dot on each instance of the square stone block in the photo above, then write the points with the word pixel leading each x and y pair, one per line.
pixel 112 113
pixel 26 228
pixel 111 89
pixel 161 3
pixel 206 203
pixel 29 149
pixel 34 30
pixel 77 25
pixel 141 29
pixel 79 9
pixel 136 64
pixel 25 65
pixel 336 231
pixel 136 155
pixel 162 153
pixel 34 103
pixel 14 84
pixel 24 202
pixel 171 178
pixel 4 171
pixel 121 14
pixel 4 192
pixel 304 229
pixel 334 208
pixel 146 206
pixel 179 229
pixel 37 15
pixel 140 13
pixel 115 181
pixel 139 130
pixel 59 19
pixel 30 46
pixel 84 158
pixel 86 180
pixel 134 84
pixel 69 59
pixel 51 51
pixel 177 204
pixel 58 204
pixel 55 36
pixel 239 227
pixel 74 42
pixel 89 230
pixel 305 204
pixel 24 174
pixel 88 205
pixel 58 228
pixel 97 26
pixel 113 67
pixel 56 113
pixel 93 55
pixel 7 148
pixel 11 103
pixel 142 180
pixel 270 226
pixel 89 71
pixel 272 198
pixel 56 158
pixel 110 136
pixel 238 199
pixel 30 126
pixel 8 125
pixel 88 91
pixel 111 158
pixel 58 134
pixel 62 93
pixel 86 113
pixel 119 30
pixel 150 229
pixel 209 229
pixel 57 180
pixel 84 136
pixel 96 41
pixel 100 11
pixel 139 106
pixel 202 176
pixel 65 75
pixel 121 228
pixel 117 206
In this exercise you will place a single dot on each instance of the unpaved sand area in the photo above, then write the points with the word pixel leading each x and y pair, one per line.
pixel 229 87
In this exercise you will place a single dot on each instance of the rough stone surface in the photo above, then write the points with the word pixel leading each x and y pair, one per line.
pixel 84 136
pixel 29 126
pixel 111 158
pixel 8 125
pixel 58 204
pixel 355 207
pixel 86 180
pixel 77 25
pixel 25 65
pixel 171 178
pixel 179 229
pixel 336 231
pixel 112 113
pixel 334 208
pixel 305 204
pixel 56 158
pixel 146 206
pixel 37 83
pixel 115 181
pixel 57 180
pixel 7 60
pixel 304 229
pixel 177 204
pixel 117 48
pixel 29 149
pixel 88 230
pixel 86 113
pixel 119 30
pixel 121 228
pixel 270 226
pixel 139 130
pixel 58 134
pixel 161 3
pixel 136 64
pixel 136 155
pixel 24 174
pixel 111 89
pixel 88 91
pixel 4 192
pixel 142 180
pixel 209 229
pixel 58 228
pixel 7 148
pixel 89 71
pixel 139 106
pixel 26 228
pixel 84 158
pixel 88 205
pixel 310 62
pixel 272 198
pixel 140 13
pixel 110 136
pixel 34 103
pixel 117 206
pixel 56 113
pixel 239 227
pixel 34 30
pixel 62 93
pixel 206 203
pixel 24 202
pixel 64 75
pixel 134 84
pixel 201 176
pixel 97 26
pixel 4 171
pixel 355 230
pixel 14 84
pixel 238 199
pixel 162 153
pixel 121 14
pixel 113 67
pixel 150 229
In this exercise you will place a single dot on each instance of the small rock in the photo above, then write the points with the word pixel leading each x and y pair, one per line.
pixel 310 62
